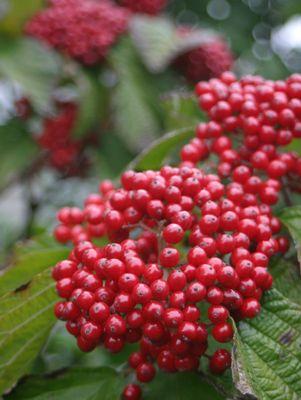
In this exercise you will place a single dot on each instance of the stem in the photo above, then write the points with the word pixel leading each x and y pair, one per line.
pixel 286 196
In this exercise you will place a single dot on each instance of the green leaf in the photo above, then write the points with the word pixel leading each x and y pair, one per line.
pixel 180 386
pixel 158 41
pixel 28 263
pixel 33 66
pixel 77 383
pixel 91 103
pixel 180 110
pixel 111 144
pixel 291 217
pixel 268 350
pixel 286 276
pixel 26 317
pixel 18 12
pixel 153 157
pixel 17 150
pixel 134 104
pixel 295 145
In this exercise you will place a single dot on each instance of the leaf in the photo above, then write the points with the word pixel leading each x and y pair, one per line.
pixel 295 145
pixel 154 155
pixel 33 66
pixel 17 150
pixel 291 217
pixel 26 318
pixel 91 103
pixel 134 104
pixel 111 144
pixel 158 41
pixel 180 386
pixel 28 264
pixel 77 383
pixel 17 13
pixel 268 350
pixel 286 276
pixel 180 110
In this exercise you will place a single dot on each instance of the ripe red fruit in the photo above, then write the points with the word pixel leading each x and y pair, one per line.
pixel 220 361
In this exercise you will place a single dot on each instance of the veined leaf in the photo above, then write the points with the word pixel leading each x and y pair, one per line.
pixel 268 350
pixel 25 266
pixel 153 157
pixel 158 42
pixel 26 318
pixel 33 66
pixel 77 383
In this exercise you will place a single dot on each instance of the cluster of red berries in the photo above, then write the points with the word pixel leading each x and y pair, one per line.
pixel 251 122
pixel 151 7
pixel 187 253
pixel 83 29
pixel 206 61
pixel 63 151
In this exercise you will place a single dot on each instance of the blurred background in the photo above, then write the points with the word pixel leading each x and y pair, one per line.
pixel 70 116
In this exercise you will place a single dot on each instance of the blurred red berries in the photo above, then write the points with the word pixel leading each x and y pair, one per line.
pixel 206 61
pixel 83 29
pixel 152 7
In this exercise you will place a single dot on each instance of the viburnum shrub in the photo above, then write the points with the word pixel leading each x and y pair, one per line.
pixel 85 30
pixel 188 250
pixel 63 152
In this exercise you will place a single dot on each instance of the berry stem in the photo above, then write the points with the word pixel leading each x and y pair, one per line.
pixel 286 195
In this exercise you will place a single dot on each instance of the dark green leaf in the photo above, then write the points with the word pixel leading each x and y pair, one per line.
pixel 26 317
pixel 17 13
pixel 268 350
pixel 291 217
pixel 286 276
pixel 158 41
pixel 77 383
pixel 181 386
pixel 134 103
pixel 33 259
pixel 17 150
pixel 153 157
pixel 33 66
pixel 111 144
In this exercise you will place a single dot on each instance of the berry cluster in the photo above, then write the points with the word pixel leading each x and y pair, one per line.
pixel 151 7
pixel 206 61
pixel 187 252
pixel 251 122
pixel 83 29
pixel 64 152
